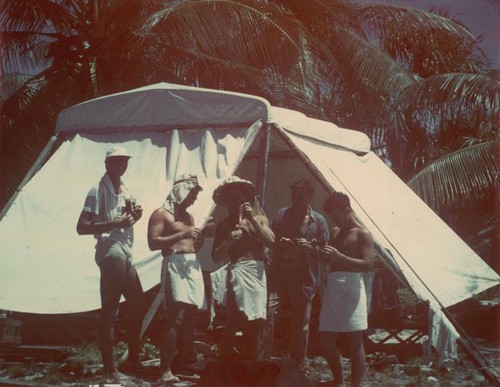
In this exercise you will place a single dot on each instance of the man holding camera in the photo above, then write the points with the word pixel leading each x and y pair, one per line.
pixel 110 213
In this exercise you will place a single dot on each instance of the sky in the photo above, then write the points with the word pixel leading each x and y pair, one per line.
pixel 479 16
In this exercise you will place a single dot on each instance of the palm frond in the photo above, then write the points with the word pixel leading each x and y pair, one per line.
pixel 258 35
pixel 484 239
pixel 465 102
pixel 426 42
pixel 379 17
pixel 460 178
pixel 365 63
pixel 10 83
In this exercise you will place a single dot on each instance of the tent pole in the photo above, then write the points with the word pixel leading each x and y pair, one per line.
pixel 478 358
pixel 34 169
pixel 466 343
pixel 263 164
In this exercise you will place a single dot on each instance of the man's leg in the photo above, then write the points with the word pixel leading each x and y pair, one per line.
pixel 300 316
pixel 358 358
pixel 185 336
pixel 253 335
pixel 273 303
pixel 168 346
pixel 112 278
pixel 134 295
pixel 234 322
pixel 332 355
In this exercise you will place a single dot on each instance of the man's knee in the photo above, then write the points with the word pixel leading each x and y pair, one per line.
pixel 109 314
pixel 178 313
pixel 327 341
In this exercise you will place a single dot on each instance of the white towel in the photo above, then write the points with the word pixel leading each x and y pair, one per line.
pixel 249 283
pixel 344 307
pixel 186 279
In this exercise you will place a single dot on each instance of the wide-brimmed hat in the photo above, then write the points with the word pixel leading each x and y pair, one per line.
pixel 221 193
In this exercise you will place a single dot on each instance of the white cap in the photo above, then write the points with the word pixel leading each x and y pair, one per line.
pixel 117 151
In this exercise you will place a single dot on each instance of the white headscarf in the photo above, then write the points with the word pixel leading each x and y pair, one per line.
pixel 181 189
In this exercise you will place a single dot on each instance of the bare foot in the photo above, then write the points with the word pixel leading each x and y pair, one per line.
pixel 168 377
pixel 117 376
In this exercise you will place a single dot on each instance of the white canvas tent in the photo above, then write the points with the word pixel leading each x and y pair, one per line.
pixel 171 129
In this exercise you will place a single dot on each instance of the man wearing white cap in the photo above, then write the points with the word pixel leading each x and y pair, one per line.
pixel 171 230
pixel 109 213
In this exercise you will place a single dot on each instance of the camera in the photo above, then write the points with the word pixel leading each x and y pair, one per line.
pixel 130 205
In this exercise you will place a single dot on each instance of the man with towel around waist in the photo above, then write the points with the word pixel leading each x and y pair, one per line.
pixel 242 237
pixel 344 308
pixel 171 230
pixel 109 214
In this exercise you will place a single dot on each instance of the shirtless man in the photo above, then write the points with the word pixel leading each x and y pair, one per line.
pixel 171 230
pixel 344 308
pixel 243 237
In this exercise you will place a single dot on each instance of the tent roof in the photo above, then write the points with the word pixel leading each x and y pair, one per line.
pixel 162 105
pixel 165 105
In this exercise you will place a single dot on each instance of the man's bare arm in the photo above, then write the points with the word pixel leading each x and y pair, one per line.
pixel 263 230
pixel 87 223
pixel 209 226
pixel 159 222
pixel 362 263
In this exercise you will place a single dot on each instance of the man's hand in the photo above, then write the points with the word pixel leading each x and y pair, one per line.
pixel 330 252
pixel 193 233
pixel 302 243
pixel 209 226
pixel 285 242
pixel 126 220
pixel 235 236
pixel 246 211
pixel 137 212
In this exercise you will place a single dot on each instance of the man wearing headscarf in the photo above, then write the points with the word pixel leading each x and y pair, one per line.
pixel 171 230
pixel 242 237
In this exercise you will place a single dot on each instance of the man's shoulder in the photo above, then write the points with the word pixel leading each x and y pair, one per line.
pixel 162 212
pixel 317 215
pixel 363 233
pixel 94 189
pixel 280 213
